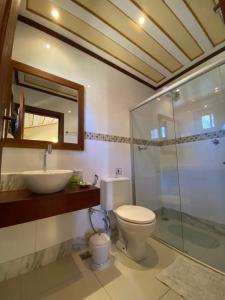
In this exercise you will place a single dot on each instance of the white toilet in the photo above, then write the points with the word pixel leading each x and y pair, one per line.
pixel 135 223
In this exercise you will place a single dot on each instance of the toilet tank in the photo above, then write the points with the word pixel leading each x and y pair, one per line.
pixel 115 192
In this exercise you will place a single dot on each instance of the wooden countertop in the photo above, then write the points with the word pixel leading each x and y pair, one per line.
pixel 22 206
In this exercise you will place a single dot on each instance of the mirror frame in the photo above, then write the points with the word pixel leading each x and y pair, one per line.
pixel 23 143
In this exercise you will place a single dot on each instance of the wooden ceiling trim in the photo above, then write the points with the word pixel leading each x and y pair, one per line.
pixel 200 22
pixel 142 48
pixel 72 43
pixel 92 34
pixel 141 8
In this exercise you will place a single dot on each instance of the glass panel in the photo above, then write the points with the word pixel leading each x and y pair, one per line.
pixel 199 112
pixel 155 167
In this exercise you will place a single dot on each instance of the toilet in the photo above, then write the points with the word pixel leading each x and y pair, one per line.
pixel 135 223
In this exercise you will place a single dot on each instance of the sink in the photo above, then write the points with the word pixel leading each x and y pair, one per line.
pixel 46 182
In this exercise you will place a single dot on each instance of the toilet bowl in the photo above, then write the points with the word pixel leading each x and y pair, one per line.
pixel 135 224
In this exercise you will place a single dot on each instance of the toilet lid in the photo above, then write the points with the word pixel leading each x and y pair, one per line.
pixel 135 214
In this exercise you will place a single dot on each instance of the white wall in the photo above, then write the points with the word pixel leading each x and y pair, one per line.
pixel 107 104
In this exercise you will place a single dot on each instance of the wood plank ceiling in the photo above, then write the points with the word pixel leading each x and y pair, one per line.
pixel 155 40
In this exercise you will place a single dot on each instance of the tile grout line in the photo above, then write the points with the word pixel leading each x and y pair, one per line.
pixel 161 297
pixel 102 286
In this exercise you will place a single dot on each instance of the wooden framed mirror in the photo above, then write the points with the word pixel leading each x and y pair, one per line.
pixel 44 109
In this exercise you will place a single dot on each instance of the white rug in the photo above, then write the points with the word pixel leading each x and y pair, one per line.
pixel 193 281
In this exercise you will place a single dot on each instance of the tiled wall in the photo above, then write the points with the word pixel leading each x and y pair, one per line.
pixel 107 103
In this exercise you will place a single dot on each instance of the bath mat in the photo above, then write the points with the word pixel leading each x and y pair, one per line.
pixel 193 281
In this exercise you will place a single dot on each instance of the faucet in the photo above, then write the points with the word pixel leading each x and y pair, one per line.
pixel 49 151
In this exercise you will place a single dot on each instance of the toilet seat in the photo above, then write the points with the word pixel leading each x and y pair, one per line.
pixel 136 214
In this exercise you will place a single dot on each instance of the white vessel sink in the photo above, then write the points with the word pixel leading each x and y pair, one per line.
pixel 46 182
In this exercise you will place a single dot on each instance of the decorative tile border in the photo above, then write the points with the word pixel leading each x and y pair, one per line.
pixel 117 139
pixel 106 137
pixel 180 140
pixel 194 138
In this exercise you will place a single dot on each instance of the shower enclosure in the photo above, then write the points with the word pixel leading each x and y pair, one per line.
pixel 178 162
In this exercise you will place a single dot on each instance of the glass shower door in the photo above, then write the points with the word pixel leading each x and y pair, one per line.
pixel 199 112
pixel 155 166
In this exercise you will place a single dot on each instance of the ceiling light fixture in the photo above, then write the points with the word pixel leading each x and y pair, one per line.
pixel 69 111
pixel 141 20
pixel 177 90
pixel 47 46
pixel 158 99
pixel 88 86
pixel 205 106
pixel 55 13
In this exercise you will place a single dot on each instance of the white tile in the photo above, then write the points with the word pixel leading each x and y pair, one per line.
pixel 54 230
pixel 126 279
pixel 17 241
pixel 61 280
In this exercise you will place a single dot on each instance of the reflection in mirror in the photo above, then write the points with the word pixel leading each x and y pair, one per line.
pixel 44 110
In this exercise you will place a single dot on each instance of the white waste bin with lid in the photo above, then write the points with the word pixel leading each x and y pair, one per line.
pixel 99 244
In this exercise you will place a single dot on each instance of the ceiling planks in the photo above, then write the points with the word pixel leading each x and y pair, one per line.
pixel 112 27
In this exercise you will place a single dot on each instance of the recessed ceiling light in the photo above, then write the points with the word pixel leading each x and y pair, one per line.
pixel 69 111
pixel 141 20
pixel 55 13
pixel 47 46
pixel 205 106
pixel 88 86
pixel 158 99
pixel 177 90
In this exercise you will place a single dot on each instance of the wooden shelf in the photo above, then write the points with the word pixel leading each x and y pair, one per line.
pixel 22 206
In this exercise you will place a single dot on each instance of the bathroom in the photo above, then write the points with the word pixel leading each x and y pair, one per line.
pixel 146 118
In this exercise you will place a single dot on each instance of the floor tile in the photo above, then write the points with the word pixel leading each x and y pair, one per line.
pixel 60 280
pixel 11 289
pixel 87 288
pixel 71 278
pixel 126 279
pixel 171 295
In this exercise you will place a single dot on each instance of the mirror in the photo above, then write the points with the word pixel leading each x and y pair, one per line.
pixel 44 109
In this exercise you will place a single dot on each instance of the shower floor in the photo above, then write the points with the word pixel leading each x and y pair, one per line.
pixel 198 240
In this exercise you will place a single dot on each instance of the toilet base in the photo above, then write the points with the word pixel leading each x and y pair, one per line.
pixel 132 251
pixel 121 246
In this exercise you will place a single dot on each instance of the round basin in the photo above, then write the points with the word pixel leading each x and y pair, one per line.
pixel 47 182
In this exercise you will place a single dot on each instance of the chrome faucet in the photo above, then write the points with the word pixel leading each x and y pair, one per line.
pixel 47 151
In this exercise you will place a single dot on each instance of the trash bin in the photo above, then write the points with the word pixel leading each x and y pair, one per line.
pixel 99 244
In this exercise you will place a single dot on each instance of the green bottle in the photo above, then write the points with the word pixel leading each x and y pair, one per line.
pixel 74 180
